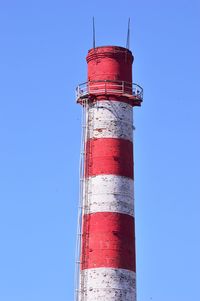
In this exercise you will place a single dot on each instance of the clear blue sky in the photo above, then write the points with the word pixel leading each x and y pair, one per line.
pixel 43 45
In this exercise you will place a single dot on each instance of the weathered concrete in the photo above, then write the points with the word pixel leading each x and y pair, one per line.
pixel 110 119
pixel 109 193
pixel 107 284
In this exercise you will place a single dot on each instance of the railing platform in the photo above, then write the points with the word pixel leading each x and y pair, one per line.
pixel 90 90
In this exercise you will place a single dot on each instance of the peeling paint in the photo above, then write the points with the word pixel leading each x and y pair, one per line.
pixel 106 284
pixel 109 193
pixel 110 119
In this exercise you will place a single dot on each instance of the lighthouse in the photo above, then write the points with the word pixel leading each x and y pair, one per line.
pixel 107 257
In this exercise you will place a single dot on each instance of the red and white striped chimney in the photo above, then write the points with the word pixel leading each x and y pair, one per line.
pixel 107 259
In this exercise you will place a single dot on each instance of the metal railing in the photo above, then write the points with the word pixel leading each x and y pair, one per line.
pixel 109 87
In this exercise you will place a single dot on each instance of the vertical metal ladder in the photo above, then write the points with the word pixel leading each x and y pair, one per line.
pixel 78 282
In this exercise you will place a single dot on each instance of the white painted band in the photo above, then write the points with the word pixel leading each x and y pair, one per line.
pixel 109 193
pixel 107 284
pixel 110 119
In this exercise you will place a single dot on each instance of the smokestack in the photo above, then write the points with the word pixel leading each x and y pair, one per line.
pixel 107 269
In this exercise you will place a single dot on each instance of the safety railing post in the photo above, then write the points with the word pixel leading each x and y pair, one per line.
pixel 123 91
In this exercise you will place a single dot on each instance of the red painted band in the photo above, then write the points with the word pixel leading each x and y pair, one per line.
pixel 109 156
pixel 110 63
pixel 108 240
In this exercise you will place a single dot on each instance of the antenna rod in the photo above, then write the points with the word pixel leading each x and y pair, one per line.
pixel 128 35
pixel 93 32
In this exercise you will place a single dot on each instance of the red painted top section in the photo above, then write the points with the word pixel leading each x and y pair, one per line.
pixel 108 240
pixel 110 63
pixel 110 77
